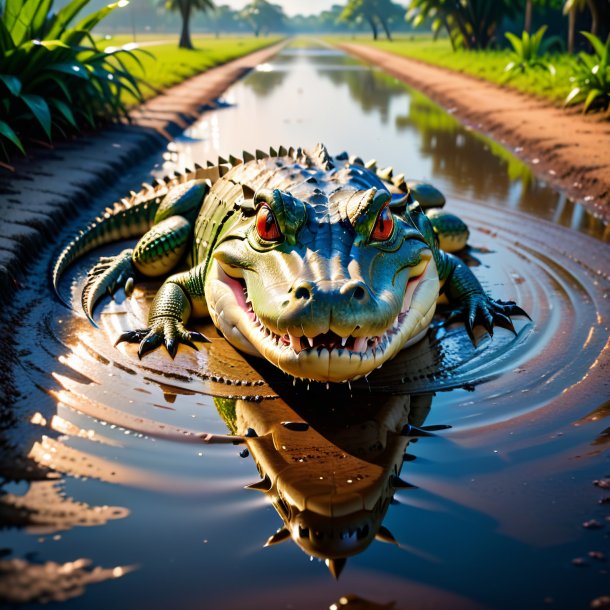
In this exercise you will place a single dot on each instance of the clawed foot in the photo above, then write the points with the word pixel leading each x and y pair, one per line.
pixel 107 276
pixel 169 331
pixel 479 309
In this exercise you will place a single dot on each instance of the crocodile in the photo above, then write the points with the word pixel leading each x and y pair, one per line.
pixel 331 473
pixel 325 266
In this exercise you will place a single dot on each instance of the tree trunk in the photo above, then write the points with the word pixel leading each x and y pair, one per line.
pixel 571 27
pixel 594 16
pixel 527 26
pixel 185 34
pixel 386 29
pixel 373 27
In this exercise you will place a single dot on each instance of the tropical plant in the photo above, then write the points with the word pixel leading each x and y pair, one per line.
pixel 186 8
pixel 528 52
pixel 53 78
pixel 263 16
pixel 469 23
pixel 592 76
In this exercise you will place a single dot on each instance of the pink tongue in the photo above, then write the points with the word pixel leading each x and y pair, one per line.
pixel 411 286
pixel 360 344
pixel 295 343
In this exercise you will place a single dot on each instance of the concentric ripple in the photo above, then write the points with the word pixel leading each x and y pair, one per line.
pixel 88 411
pixel 557 276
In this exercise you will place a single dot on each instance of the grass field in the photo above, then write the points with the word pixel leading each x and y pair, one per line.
pixel 487 65
pixel 164 64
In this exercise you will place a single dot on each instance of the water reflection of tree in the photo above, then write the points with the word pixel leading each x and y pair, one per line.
pixel 371 89
pixel 264 83
pixel 471 161
pixel 463 157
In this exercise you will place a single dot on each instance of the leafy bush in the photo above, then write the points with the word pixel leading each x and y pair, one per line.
pixel 528 53
pixel 54 79
pixel 592 76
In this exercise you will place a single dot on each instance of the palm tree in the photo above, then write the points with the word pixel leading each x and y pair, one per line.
pixel 470 23
pixel 185 8
pixel 571 8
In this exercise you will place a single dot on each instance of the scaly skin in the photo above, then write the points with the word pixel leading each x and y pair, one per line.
pixel 325 267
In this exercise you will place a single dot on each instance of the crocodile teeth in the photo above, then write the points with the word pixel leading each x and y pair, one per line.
pixel 343 341
pixel 310 341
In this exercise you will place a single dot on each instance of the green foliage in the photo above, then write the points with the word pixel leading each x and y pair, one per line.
pixel 166 65
pixel 488 65
pixel 376 13
pixel 186 8
pixel 592 76
pixel 528 53
pixel 226 410
pixel 54 78
pixel 263 17
pixel 471 24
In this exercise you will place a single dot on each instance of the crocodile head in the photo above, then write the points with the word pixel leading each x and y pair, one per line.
pixel 325 283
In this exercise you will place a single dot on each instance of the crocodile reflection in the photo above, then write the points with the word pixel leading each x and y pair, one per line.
pixel 330 463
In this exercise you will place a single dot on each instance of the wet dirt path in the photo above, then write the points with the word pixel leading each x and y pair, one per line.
pixel 563 147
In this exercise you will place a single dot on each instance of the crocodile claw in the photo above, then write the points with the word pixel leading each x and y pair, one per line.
pixel 167 331
pixel 479 309
pixel 107 276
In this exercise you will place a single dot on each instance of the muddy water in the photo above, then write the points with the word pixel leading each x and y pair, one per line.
pixel 124 479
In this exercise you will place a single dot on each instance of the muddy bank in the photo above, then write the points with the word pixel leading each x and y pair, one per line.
pixel 54 184
pixel 564 148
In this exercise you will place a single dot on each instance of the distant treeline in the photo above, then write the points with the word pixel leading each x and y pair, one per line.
pixel 469 24
pixel 152 16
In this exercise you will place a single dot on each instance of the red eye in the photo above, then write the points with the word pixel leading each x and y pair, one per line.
pixel 266 225
pixel 384 225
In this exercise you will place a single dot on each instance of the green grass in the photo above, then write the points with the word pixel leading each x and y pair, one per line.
pixel 165 65
pixel 486 65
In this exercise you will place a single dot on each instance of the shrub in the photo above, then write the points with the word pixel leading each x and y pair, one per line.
pixel 528 52
pixel 54 79
pixel 592 76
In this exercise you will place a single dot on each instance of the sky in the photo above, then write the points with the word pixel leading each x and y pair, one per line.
pixel 291 7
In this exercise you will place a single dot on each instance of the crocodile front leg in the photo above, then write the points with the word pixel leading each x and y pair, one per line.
pixel 179 297
pixel 471 303
pixel 159 251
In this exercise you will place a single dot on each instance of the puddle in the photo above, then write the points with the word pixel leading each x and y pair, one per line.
pixel 124 478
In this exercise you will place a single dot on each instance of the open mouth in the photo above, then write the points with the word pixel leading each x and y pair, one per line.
pixel 330 340
pixel 326 356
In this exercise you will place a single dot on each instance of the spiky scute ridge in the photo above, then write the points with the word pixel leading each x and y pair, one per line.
pixel 132 216
pixel 334 191
pixel 127 218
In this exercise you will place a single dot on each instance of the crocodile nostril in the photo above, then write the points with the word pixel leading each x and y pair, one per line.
pixel 359 293
pixel 302 292
pixel 355 289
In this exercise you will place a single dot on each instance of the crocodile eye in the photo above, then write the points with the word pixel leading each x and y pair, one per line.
pixel 384 225
pixel 266 224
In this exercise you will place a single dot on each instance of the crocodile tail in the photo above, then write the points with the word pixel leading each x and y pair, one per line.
pixel 128 218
